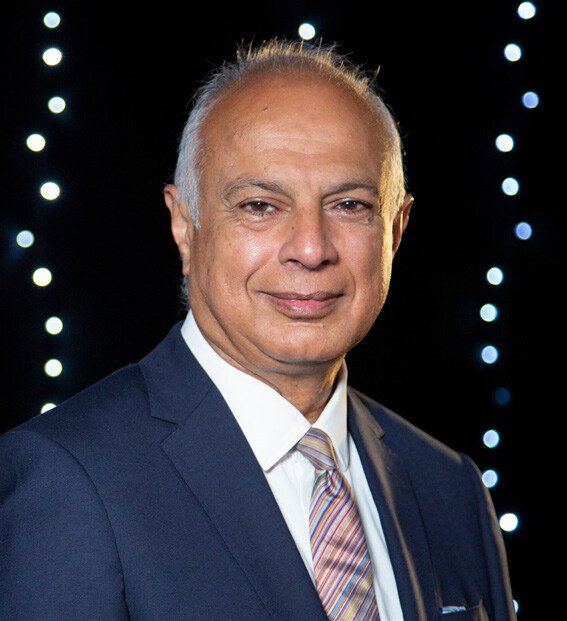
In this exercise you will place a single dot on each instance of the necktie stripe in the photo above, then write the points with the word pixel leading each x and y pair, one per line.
pixel 343 572
pixel 327 581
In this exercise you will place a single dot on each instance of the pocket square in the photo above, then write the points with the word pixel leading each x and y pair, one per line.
pixel 446 610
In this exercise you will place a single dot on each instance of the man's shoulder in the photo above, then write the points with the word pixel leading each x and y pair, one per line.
pixel 407 440
pixel 107 403
pixel 439 474
pixel 113 406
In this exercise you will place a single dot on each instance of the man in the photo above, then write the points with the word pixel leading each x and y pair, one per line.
pixel 231 474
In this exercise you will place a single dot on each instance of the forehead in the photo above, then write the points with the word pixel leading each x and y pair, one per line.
pixel 301 110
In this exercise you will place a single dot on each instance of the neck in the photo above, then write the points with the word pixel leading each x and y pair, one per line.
pixel 309 394
pixel 306 387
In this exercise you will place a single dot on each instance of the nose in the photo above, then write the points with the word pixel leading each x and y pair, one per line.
pixel 309 240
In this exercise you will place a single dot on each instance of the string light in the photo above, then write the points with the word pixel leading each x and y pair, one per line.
pixel 523 230
pixel 52 56
pixel 513 52
pixel 502 396
pixel 510 186
pixel 53 367
pixel 491 438
pixel 25 239
pixel 42 277
pixel 526 10
pixel 50 190
pixel 56 105
pixel 530 100
pixel 490 478
pixel 489 354
pixel 52 19
pixel 504 143
pixel 35 142
pixel 306 31
pixel 488 312
pixel 495 276
pixel 53 325
pixel 509 522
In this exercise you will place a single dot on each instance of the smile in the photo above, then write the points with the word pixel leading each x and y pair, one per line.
pixel 304 305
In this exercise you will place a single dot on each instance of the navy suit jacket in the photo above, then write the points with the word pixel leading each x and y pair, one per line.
pixel 140 498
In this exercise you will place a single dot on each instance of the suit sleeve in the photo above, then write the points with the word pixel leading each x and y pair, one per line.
pixel 58 555
pixel 500 605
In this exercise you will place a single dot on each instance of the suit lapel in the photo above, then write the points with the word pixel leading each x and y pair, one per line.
pixel 399 513
pixel 211 454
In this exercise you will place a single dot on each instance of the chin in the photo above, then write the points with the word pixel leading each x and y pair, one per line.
pixel 309 354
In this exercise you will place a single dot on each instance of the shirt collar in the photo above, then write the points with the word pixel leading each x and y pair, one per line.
pixel 270 423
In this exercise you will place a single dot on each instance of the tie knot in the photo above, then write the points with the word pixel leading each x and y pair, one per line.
pixel 318 448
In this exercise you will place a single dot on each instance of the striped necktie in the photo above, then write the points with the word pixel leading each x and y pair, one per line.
pixel 343 572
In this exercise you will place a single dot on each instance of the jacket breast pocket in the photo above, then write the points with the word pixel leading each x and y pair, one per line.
pixel 476 613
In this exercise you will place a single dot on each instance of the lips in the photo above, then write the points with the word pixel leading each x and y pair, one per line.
pixel 311 305
pixel 317 295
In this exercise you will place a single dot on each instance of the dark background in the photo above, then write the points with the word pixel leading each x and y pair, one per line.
pixel 127 76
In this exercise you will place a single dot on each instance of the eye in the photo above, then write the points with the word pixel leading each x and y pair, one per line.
pixel 258 209
pixel 352 206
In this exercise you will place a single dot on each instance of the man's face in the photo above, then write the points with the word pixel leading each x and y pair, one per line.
pixel 291 263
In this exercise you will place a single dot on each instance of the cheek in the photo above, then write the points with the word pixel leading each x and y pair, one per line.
pixel 233 261
pixel 372 264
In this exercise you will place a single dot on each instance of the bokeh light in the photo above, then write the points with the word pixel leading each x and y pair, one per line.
pixel 52 56
pixel 53 367
pixel 489 354
pixel 25 239
pixel 504 143
pixel 510 186
pixel 491 438
pixel 56 105
pixel 509 522
pixel 489 312
pixel 35 142
pixel 50 190
pixel 513 52
pixel 530 99
pixel 523 230
pixel 306 31
pixel 495 276
pixel 52 19
pixel 502 396
pixel 42 277
pixel 53 325
pixel 490 478
pixel 526 10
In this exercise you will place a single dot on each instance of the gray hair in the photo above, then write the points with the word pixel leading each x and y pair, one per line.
pixel 281 56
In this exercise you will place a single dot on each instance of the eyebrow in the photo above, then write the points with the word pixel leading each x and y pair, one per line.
pixel 248 182
pixel 273 186
pixel 356 184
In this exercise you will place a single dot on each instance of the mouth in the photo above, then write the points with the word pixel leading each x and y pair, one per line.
pixel 295 305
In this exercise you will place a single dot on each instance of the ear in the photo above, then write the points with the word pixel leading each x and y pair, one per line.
pixel 401 221
pixel 182 227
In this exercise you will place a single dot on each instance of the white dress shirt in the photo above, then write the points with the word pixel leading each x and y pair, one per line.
pixel 273 426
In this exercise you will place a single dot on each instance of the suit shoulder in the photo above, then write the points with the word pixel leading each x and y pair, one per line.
pixel 442 478
pixel 408 439
pixel 106 404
